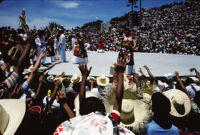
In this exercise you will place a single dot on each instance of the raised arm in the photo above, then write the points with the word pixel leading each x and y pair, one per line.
pixel 197 73
pixel 61 98
pixel 51 66
pixel 181 83
pixel 134 43
pixel 53 95
pixel 149 72
pixel 119 69
pixel 85 73
pixel 141 72
pixel 35 67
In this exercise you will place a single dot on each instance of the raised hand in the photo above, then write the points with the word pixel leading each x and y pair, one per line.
pixel 176 73
pixel 146 67
pixel 61 96
pixel 192 69
pixel 120 65
pixel 84 70
pixel 42 54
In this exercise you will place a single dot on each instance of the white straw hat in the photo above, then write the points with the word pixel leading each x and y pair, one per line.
pixel 11 114
pixel 134 112
pixel 103 80
pixel 76 78
pixel 180 102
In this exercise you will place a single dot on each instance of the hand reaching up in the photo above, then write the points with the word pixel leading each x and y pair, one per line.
pixel 146 67
pixel 42 54
pixel 120 65
pixel 84 70
pixel 61 96
pixel 192 69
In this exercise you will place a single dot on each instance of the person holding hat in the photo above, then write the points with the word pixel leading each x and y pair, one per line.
pixel 93 122
pixel 161 124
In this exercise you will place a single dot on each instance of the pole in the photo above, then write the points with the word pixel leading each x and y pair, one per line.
pixel 140 13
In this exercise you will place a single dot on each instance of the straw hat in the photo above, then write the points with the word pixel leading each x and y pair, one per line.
pixel 76 78
pixel 134 112
pixel 87 95
pixel 103 80
pixel 11 114
pixel 15 51
pixel 180 102
pixel 27 71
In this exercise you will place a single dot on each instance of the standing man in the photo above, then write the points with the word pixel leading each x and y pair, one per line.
pixel 62 46
pixel 40 43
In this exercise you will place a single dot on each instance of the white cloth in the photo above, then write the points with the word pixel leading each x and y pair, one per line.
pixel 62 45
pixel 87 45
pixel 73 42
pixel 40 47
pixel 191 91
pixel 55 104
pixel 91 124
pixel 56 48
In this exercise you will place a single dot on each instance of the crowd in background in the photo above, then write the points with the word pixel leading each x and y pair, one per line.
pixel 174 29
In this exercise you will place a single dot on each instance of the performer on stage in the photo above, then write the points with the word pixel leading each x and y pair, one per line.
pixel 22 18
pixel 127 50
pixel 80 53
pixel 40 43
pixel 62 46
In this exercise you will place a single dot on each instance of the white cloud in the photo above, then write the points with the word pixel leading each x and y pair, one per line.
pixel 70 4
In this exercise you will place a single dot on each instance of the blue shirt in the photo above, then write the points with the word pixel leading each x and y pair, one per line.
pixel 155 129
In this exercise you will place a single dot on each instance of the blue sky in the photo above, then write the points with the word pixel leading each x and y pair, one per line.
pixel 70 13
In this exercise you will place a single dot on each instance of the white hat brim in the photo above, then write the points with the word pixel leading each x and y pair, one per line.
pixel 16 110
pixel 178 94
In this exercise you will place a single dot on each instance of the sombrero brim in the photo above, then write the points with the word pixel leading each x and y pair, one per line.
pixel 16 110
pixel 178 94
pixel 142 113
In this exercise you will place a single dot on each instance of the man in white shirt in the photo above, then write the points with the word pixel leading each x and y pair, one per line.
pixel 39 41
pixel 62 46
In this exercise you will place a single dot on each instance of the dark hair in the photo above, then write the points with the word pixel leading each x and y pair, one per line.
pixel 160 104
pixel 76 87
pixel 197 98
pixel 188 81
pixel 92 104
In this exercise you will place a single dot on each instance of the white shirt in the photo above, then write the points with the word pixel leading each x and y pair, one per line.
pixel 38 42
pixel 191 91
pixel 56 46
pixel 73 42
pixel 62 40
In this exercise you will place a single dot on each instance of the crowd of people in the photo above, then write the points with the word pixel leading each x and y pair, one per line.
pixel 32 101
pixel 174 29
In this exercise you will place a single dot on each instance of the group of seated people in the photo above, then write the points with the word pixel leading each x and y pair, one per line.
pixel 39 103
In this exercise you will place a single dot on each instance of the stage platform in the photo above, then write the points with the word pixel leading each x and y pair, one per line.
pixel 158 63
